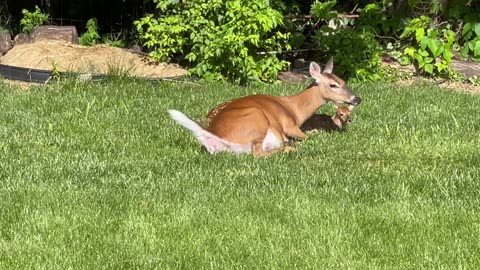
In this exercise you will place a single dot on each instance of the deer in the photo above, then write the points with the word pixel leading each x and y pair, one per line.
pixel 261 124
pixel 329 123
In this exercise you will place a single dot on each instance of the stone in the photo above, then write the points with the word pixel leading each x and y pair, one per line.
pixel 292 77
pixel 136 49
pixel 58 33
pixel 300 63
pixel 5 42
pixel 21 38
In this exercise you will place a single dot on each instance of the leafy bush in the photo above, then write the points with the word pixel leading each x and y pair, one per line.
pixel 470 37
pixel 118 41
pixel 323 10
pixel 375 18
pixel 91 36
pixel 428 48
pixel 232 38
pixel 357 54
pixel 32 19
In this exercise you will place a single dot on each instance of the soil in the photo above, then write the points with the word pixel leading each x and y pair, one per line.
pixel 467 68
pixel 449 85
pixel 99 59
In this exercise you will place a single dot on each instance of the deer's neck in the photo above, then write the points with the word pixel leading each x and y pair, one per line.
pixel 305 103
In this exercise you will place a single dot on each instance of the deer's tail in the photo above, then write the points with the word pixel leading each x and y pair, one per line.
pixel 211 142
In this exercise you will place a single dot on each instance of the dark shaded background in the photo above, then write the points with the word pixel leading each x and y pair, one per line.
pixel 112 16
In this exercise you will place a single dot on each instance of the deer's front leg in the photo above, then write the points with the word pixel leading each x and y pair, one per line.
pixel 295 132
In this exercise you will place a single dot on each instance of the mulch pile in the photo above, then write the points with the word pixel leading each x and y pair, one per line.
pixel 99 59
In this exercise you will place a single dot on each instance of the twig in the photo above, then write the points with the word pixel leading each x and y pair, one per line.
pixel 290 51
pixel 354 8
pixel 308 17
pixel 442 23
pixel 384 37
pixel 459 30
pixel 118 36
pixel 440 81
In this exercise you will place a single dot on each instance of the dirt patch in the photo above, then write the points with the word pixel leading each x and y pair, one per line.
pixel 459 86
pixel 467 68
pixel 449 85
pixel 100 59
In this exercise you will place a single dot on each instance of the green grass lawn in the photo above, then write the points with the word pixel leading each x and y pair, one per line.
pixel 97 176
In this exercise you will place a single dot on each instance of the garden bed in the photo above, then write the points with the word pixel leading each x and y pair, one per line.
pixel 99 59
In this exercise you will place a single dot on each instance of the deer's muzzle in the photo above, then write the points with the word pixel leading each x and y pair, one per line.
pixel 356 101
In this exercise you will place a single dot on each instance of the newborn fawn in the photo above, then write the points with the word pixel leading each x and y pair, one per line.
pixel 328 123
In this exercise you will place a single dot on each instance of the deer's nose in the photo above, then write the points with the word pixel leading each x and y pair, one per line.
pixel 356 101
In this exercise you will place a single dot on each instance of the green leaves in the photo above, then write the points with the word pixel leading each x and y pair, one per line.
pixel 32 19
pixel 471 39
pixel 356 54
pixel 430 48
pixel 232 39
pixel 323 10
pixel 436 47
pixel 419 34
pixel 90 37
pixel 447 55
pixel 418 23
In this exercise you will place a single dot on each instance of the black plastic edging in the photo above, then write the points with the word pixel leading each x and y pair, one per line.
pixel 25 74
pixel 43 76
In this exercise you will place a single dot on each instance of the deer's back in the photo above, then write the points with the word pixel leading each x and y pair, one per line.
pixel 272 107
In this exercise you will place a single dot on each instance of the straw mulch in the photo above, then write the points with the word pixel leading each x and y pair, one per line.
pixel 100 59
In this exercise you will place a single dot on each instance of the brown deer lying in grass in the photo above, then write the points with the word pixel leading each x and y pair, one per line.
pixel 329 123
pixel 259 124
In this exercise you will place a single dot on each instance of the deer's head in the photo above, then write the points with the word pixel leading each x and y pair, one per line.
pixel 343 113
pixel 331 87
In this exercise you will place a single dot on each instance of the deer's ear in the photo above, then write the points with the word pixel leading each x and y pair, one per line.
pixel 329 66
pixel 335 105
pixel 315 71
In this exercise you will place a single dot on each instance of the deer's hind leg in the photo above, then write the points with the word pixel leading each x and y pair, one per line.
pixel 250 127
pixel 271 141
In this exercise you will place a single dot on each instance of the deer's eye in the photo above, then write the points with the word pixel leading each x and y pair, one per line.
pixel 333 85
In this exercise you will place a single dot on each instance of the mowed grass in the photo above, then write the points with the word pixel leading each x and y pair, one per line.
pixel 97 176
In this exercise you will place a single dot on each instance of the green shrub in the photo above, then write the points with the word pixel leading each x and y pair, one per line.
pixel 91 36
pixel 32 19
pixel 428 48
pixel 357 54
pixel 234 39
pixel 375 18
pixel 114 41
pixel 470 37
pixel 324 10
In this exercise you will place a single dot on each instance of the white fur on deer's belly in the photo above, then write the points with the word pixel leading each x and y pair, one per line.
pixel 270 142
pixel 240 148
